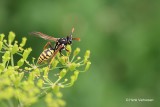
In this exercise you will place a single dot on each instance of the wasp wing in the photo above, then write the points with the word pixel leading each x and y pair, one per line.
pixel 44 36
pixel 52 58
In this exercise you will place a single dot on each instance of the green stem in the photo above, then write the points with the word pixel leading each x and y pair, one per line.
pixel 5 45
pixel 72 58
pixel 3 103
pixel 2 52
pixel 10 103
pixel 12 60
pixel 43 94
pixel 19 54
pixel 58 68
pixel 7 63
pixel 28 63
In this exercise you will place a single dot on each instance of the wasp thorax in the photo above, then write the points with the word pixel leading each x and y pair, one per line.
pixel 69 39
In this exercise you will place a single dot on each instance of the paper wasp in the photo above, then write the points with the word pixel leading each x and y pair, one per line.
pixel 60 44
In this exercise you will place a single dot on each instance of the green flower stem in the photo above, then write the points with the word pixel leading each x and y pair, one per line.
pixel 38 66
pixel 58 68
pixel 5 45
pixel 3 104
pixel 12 60
pixel 67 85
pixel 44 93
pixel 72 58
pixel 19 54
pixel 26 60
pixel 7 63
pixel 10 103
pixel 2 52
pixel 28 64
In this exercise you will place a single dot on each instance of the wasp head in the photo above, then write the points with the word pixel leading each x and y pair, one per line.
pixel 69 39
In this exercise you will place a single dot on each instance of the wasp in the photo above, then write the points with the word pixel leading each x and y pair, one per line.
pixel 60 44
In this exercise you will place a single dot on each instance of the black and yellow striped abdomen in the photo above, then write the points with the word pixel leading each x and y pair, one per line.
pixel 45 55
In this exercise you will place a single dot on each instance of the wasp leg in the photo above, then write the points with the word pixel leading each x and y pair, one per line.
pixel 67 50
pixel 60 51
pixel 48 44
pixel 56 51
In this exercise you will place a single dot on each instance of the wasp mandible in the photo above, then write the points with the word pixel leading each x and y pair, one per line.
pixel 60 44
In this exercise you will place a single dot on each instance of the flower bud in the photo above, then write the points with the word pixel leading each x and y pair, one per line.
pixel 59 94
pixel 87 66
pixel 68 47
pixel 87 54
pixel 65 80
pixel 72 66
pixel 46 70
pixel 31 76
pixel 76 74
pixel 20 62
pixel 15 48
pixel 63 59
pixel 1 37
pixel 2 66
pixel 24 39
pixel 8 93
pixel 21 75
pixel 11 37
pixel 27 68
pixel 18 78
pixel 62 73
pixel 36 72
pixel 1 44
pixel 6 56
pixel 16 67
pixel 78 58
pixel 73 78
pixel 55 62
pixel 78 65
pixel 5 41
pixel 40 83
pixel 48 99
pixel 56 89
pixel 76 52
pixel 61 102
pixel 26 53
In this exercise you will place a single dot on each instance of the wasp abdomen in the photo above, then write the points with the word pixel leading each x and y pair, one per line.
pixel 45 55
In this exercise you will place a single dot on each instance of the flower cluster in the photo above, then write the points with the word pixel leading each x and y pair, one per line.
pixel 26 82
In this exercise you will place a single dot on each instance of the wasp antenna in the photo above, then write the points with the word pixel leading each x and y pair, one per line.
pixel 72 29
pixel 77 39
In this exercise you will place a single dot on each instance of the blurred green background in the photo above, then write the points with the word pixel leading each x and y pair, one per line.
pixel 123 36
